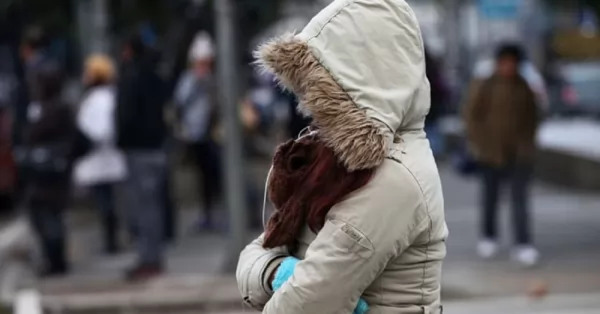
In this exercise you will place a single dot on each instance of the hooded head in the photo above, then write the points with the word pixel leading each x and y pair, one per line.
pixel 358 70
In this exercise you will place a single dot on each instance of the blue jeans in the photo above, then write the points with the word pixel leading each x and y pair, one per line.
pixel 493 178
pixel 47 220
pixel 144 185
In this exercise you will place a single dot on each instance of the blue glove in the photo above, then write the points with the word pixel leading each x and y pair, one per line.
pixel 286 270
pixel 362 307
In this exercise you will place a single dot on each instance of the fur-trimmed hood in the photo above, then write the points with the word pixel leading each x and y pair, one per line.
pixel 358 69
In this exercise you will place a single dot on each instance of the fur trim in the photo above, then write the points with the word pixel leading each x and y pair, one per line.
pixel 357 141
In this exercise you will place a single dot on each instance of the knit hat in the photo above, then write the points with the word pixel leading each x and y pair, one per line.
pixel 202 47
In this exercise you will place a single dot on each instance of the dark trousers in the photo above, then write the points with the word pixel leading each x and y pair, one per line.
pixel 146 173
pixel 170 213
pixel 6 202
pixel 169 210
pixel 519 178
pixel 167 192
pixel 104 196
pixel 208 160
pixel 47 220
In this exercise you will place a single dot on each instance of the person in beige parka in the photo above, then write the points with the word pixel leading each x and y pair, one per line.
pixel 358 69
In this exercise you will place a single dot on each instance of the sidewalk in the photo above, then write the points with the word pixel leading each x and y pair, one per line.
pixel 195 281
pixel 560 304
pixel 566 232
pixel 170 294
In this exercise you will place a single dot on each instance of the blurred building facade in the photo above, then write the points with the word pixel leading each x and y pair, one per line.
pixel 471 29
pixel 458 31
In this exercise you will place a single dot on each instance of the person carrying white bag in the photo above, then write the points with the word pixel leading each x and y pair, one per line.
pixel 104 166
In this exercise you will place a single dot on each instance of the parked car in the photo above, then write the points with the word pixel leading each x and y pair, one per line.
pixel 575 90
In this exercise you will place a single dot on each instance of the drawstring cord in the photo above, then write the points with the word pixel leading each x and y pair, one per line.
pixel 301 135
pixel 264 207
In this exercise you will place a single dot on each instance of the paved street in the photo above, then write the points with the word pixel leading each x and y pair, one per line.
pixel 561 304
pixel 587 303
pixel 566 229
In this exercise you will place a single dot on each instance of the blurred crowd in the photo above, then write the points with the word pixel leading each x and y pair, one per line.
pixel 124 131
pixel 122 135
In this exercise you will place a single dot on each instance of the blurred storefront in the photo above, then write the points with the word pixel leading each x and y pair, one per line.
pixel 484 24
pixel 456 31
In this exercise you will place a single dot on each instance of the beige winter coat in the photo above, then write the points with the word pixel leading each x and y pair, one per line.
pixel 358 69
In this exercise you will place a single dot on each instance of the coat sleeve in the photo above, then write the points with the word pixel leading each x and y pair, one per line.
pixel 531 113
pixel 361 236
pixel 472 113
pixel 532 110
pixel 255 267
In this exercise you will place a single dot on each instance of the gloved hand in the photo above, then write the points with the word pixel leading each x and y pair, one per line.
pixel 286 270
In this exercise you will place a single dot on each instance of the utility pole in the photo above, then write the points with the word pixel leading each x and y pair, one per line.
pixel 92 24
pixel 228 77
pixel 99 9
pixel 453 40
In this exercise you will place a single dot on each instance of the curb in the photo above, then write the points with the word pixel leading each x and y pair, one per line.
pixel 189 294
pixel 553 304
pixel 574 171
pixel 167 295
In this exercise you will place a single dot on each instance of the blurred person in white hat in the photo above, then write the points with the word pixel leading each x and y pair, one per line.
pixel 196 101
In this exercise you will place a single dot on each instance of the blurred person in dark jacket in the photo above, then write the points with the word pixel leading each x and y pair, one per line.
pixel 50 137
pixel 439 98
pixel 33 56
pixel 502 119
pixel 156 55
pixel 141 134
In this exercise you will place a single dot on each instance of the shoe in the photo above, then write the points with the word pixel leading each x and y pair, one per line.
pixel 526 255
pixel 142 273
pixel 487 249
